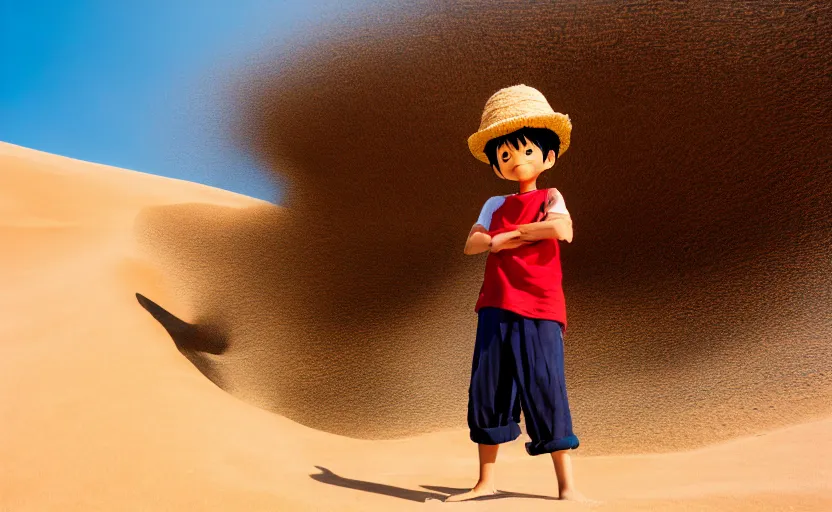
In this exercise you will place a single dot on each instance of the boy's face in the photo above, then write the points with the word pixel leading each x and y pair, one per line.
pixel 523 164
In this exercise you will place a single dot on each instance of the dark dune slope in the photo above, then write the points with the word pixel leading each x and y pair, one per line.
pixel 699 180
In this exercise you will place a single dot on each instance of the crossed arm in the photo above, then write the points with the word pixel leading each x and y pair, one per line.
pixel 556 225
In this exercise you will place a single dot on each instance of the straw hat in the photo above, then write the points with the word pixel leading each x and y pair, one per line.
pixel 516 107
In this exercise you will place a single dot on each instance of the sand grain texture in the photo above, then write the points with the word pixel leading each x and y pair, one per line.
pixel 699 182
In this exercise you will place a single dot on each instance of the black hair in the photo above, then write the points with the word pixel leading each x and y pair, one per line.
pixel 543 138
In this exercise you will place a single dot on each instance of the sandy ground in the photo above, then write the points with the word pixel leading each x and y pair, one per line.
pixel 100 411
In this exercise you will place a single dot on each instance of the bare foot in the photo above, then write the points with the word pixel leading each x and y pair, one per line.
pixel 476 492
pixel 573 495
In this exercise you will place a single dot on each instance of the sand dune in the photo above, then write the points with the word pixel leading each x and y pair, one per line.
pixel 101 412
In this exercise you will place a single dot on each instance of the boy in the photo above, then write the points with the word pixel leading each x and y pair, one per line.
pixel 518 353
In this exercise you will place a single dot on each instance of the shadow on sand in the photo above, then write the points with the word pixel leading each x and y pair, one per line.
pixel 328 477
pixel 193 341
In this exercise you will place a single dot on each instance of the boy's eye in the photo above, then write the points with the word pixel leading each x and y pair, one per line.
pixel 505 156
pixel 528 151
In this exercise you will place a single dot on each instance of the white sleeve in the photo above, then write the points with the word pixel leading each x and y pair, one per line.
pixel 556 203
pixel 488 210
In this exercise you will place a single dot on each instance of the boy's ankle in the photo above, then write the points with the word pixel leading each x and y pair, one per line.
pixel 485 485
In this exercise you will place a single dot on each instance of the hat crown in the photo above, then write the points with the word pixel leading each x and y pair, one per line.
pixel 513 108
pixel 512 102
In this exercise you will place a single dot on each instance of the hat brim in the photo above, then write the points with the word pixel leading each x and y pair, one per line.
pixel 557 122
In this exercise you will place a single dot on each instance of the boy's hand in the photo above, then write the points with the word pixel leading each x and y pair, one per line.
pixel 527 237
pixel 507 240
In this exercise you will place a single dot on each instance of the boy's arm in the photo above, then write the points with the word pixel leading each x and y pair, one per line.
pixel 478 240
pixel 507 240
pixel 556 225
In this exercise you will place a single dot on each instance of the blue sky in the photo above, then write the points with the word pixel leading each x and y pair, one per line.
pixel 142 85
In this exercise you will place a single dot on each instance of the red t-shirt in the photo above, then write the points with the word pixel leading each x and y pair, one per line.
pixel 525 280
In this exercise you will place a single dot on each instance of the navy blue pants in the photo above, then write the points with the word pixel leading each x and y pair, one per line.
pixel 518 363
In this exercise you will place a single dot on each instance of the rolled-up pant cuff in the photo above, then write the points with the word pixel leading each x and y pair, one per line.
pixel 565 443
pixel 496 435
